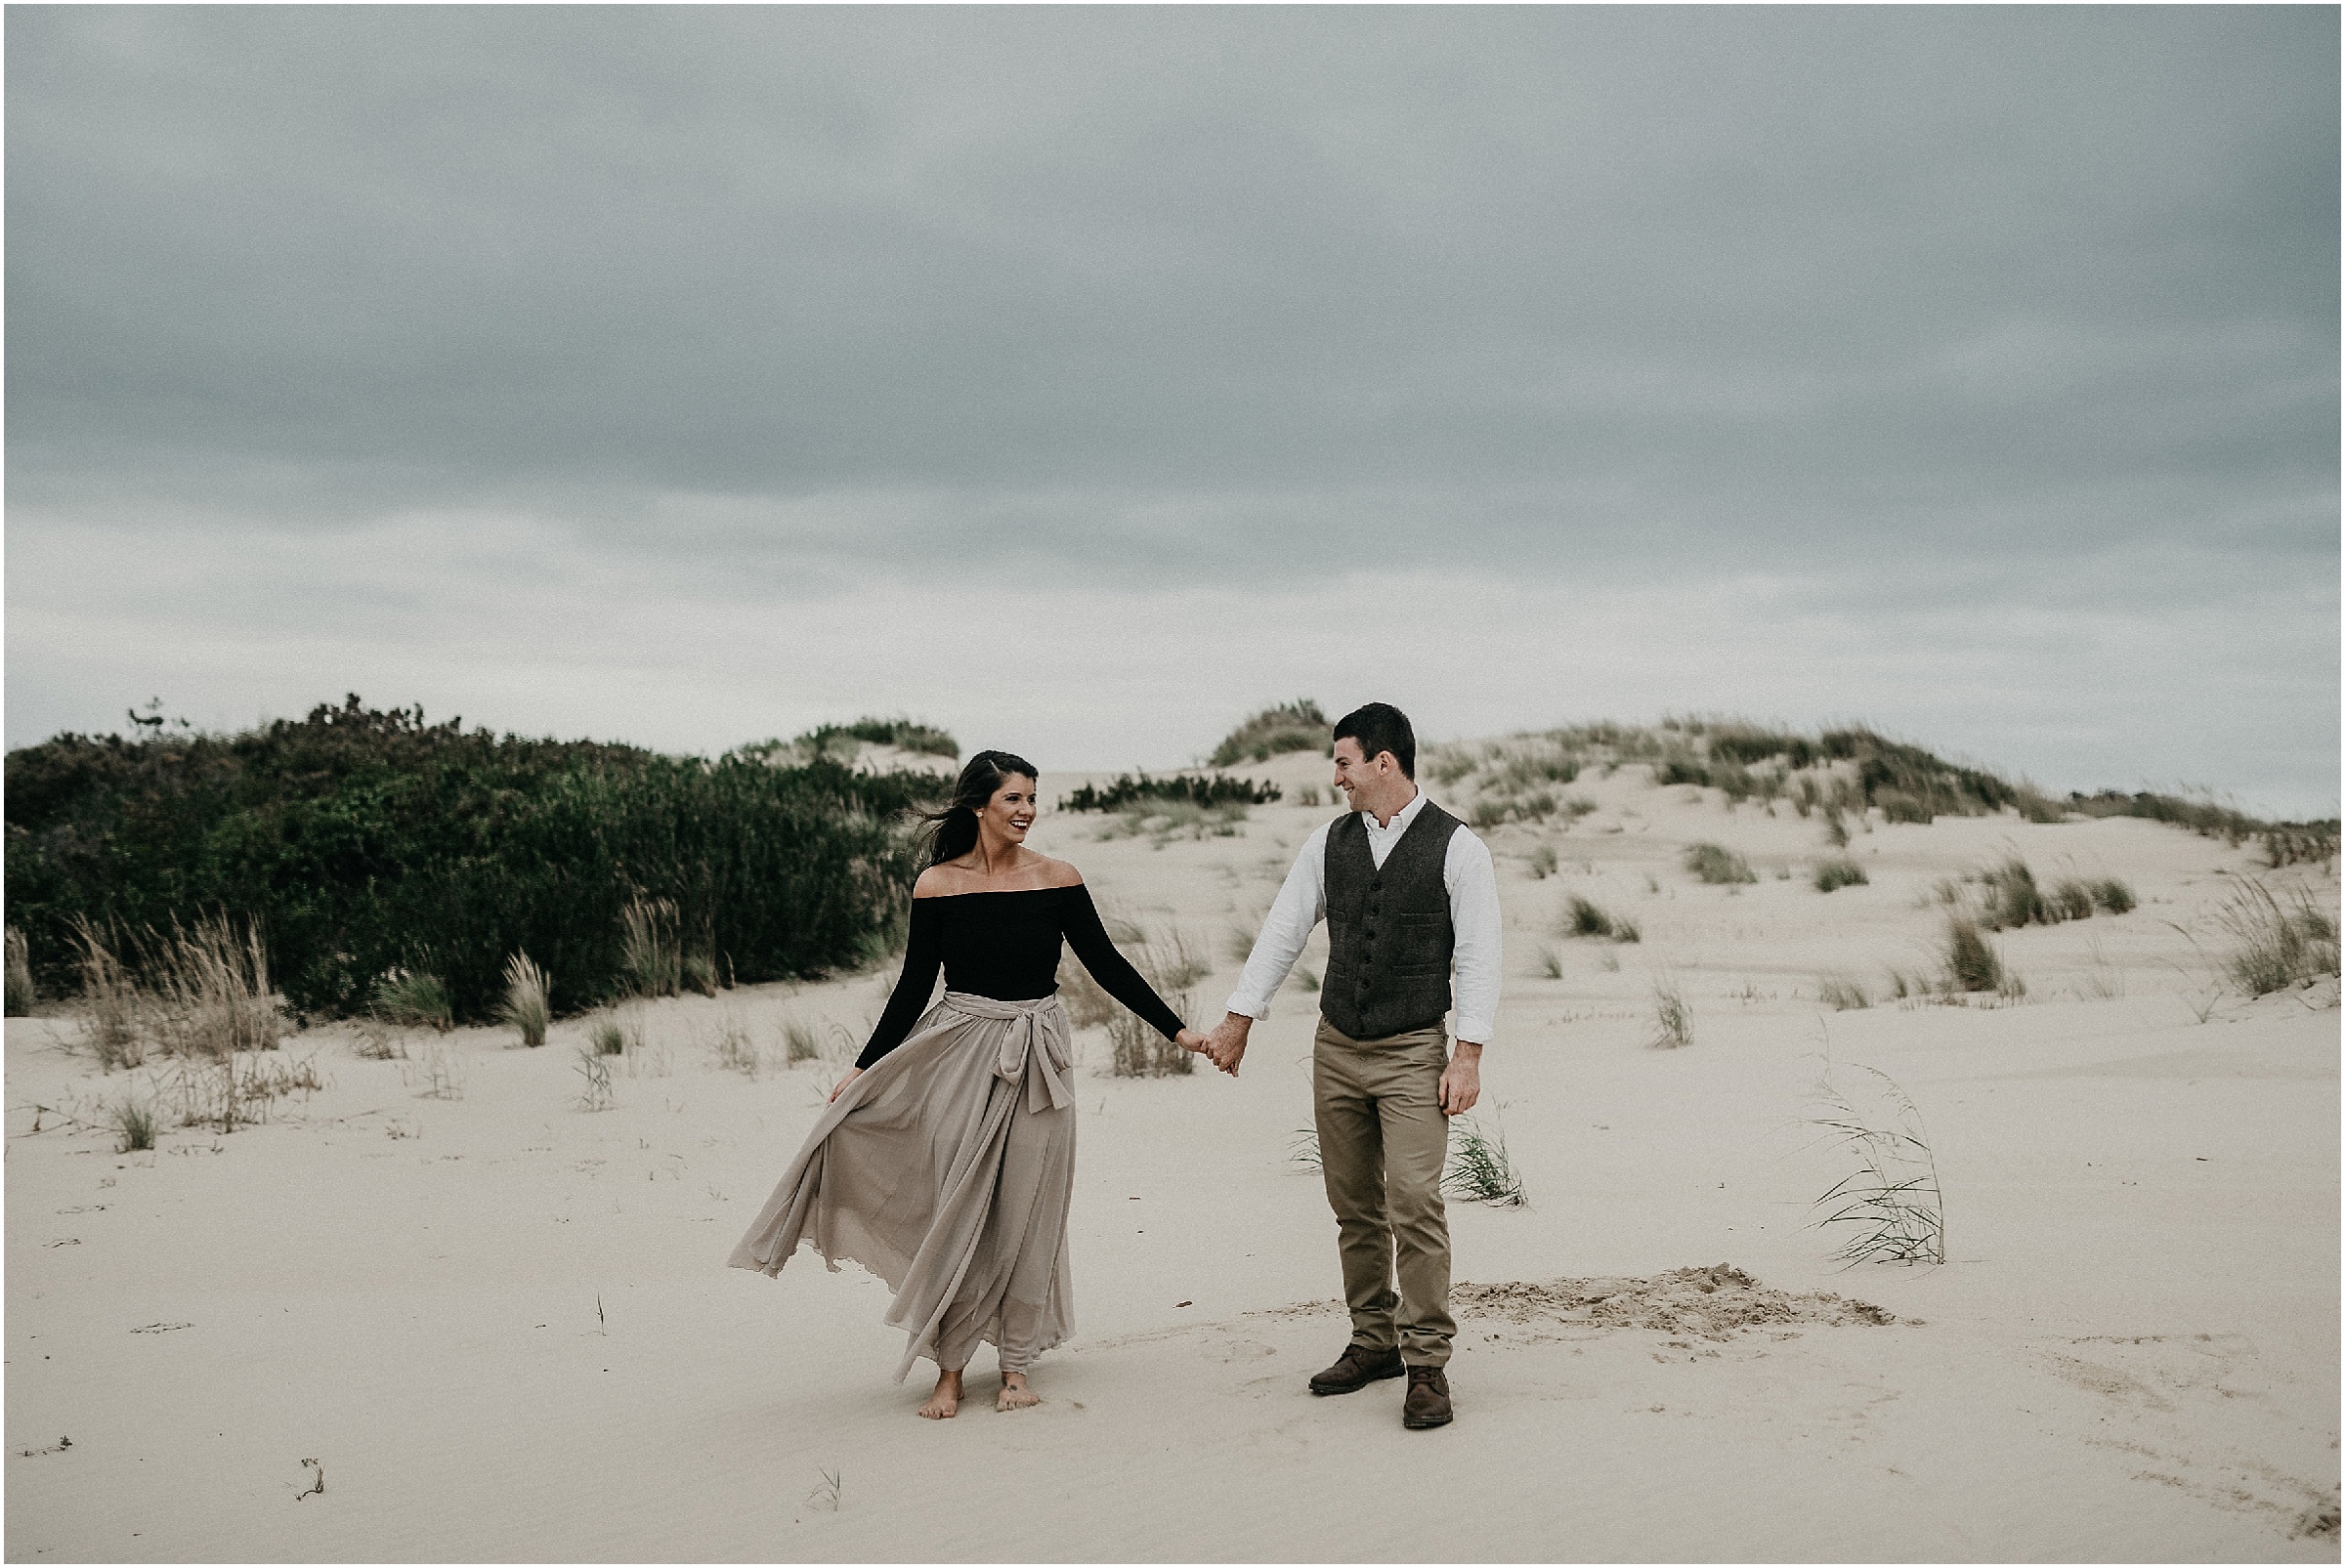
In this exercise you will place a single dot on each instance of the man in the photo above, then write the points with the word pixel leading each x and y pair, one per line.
pixel 1405 889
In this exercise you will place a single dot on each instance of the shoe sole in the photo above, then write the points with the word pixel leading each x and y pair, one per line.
pixel 1420 1427
pixel 1354 1388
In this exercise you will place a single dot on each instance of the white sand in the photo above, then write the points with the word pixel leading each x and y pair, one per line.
pixel 2133 1353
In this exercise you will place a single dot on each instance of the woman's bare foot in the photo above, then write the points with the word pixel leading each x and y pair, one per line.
pixel 945 1403
pixel 1015 1394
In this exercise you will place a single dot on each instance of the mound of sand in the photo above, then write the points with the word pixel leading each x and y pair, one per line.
pixel 1710 1304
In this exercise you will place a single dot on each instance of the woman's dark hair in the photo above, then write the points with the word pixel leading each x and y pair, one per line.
pixel 952 832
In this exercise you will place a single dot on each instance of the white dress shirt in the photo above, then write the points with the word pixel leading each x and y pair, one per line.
pixel 1467 873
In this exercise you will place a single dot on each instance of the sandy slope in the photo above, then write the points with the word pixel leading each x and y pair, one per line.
pixel 2132 1355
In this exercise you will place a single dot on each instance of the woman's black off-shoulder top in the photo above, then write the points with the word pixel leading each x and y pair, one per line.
pixel 1005 946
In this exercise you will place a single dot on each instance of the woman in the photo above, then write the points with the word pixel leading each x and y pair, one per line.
pixel 946 1157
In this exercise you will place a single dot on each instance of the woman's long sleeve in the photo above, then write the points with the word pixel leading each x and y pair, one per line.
pixel 923 955
pixel 1080 923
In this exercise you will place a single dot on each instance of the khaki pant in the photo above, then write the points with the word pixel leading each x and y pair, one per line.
pixel 1382 1141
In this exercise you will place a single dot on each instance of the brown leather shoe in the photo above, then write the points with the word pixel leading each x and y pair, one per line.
pixel 1427 1401
pixel 1354 1369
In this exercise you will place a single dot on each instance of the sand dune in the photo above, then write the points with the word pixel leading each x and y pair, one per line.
pixel 497 1325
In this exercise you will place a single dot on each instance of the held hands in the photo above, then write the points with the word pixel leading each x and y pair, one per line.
pixel 1225 1047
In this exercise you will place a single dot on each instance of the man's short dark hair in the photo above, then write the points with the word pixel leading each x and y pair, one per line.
pixel 1381 727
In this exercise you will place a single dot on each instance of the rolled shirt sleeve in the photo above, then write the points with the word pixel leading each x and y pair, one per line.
pixel 1471 881
pixel 1302 904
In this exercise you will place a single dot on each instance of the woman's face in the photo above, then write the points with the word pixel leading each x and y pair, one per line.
pixel 1012 810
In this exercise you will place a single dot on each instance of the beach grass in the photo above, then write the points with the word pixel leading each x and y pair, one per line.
pixel 529 999
pixel 1839 872
pixel 1717 863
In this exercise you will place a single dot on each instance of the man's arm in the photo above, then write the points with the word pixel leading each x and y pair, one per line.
pixel 1471 881
pixel 1302 904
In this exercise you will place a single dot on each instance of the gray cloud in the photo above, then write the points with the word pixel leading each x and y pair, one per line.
pixel 1933 303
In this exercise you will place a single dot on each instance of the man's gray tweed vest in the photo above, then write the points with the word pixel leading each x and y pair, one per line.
pixel 1388 934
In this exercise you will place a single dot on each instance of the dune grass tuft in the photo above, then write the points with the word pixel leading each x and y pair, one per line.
pixel 1838 873
pixel 1841 993
pixel 1583 919
pixel 134 1126
pixel 1543 864
pixel 1551 964
pixel 607 1038
pixel 1971 963
pixel 20 975
pixel 651 958
pixel 2113 896
pixel 2276 944
pixel 1478 1169
pixel 112 997
pixel 409 999
pixel 1892 1201
pixel 527 1004
pixel 1673 1020
pixel 1715 863
pixel 799 1042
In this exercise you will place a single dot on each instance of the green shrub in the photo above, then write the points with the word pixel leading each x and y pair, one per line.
pixel 1130 790
pixel 1296 726
pixel 1715 863
pixel 362 841
pixel 1837 874
pixel 412 999
pixel 841 741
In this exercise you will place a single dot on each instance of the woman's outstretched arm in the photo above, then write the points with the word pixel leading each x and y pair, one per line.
pixel 923 955
pixel 1079 920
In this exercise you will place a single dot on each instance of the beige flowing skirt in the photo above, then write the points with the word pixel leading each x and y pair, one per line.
pixel 946 1169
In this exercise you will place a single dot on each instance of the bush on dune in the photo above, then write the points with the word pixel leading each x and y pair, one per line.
pixel 1296 726
pixel 362 842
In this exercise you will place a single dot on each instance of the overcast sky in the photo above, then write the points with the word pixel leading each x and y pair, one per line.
pixel 1080 379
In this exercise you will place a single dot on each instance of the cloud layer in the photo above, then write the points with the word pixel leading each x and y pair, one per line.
pixel 1941 324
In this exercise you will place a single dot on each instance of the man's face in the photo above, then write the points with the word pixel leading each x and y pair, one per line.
pixel 1356 772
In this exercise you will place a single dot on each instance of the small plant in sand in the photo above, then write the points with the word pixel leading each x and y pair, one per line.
pixel 1551 964
pixel 1715 863
pixel 1836 830
pixel 134 1126
pixel 1087 1005
pixel 1542 862
pixel 1890 1202
pixel 606 1038
pixel 1478 1169
pixel 734 1050
pixel 651 960
pixel 527 1003
pixel 2274 945
pixel 2113 895
pixel 1838 873
pixel 113 1001
pixel 1303 1149
pixel 1673 1020
pixel 595 1068
pixel 437 1073
pixel 697 972
pixel 20 975
pixel 799 1041
pixel 1841 993
pixel 411 999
